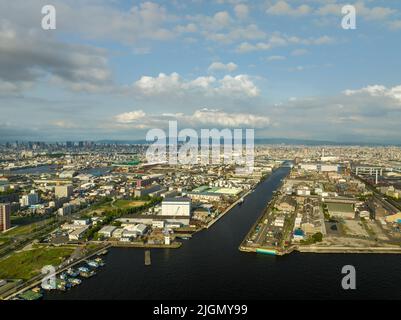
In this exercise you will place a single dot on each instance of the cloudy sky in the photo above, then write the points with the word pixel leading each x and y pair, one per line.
pixel 115 69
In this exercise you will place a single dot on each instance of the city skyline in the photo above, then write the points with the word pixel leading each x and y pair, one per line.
pixel 114 70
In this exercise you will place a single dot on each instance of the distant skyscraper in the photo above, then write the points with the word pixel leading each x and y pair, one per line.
pixel 5 212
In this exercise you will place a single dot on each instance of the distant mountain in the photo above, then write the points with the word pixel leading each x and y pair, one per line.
pixel 272 141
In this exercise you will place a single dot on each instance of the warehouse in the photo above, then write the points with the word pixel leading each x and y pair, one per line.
pixel 107 231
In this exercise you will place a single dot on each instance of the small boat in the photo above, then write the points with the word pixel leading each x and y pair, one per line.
pixel 75 282
pixel 100 261
pixel 64 276
pixel 61 285
pixel 87 274
pixel 47 286
pixel 72 273
pixel 83 269
pixel 93 264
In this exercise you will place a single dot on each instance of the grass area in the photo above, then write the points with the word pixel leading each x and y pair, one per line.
pixel 124 204
pixel 368 229
pixel 119 204
pixel 23 230
pixel 26 264
pixel 342 228
pixel 15 220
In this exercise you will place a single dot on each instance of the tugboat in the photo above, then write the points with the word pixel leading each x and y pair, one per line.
pixel 241 201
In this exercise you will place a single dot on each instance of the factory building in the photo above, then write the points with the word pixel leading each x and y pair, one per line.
pixel 176 207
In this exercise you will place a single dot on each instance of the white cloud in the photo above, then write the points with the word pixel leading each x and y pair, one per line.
pixel 29 55
pixel 393 93
pixel 221 19
pixel 299 52
pixel 238 85
pixel 141 50
pixel 279 40
pixel 241 11
pixel 65 124
pixel 283 8
pixel 188 28
pixel 395 25
pixel 331 8
pixel 369 13
pixel 173 84
pixel 236 33
pixel 203 118
pixel 101 19
pixel 275 58
pixel 219 66
pixel 129 117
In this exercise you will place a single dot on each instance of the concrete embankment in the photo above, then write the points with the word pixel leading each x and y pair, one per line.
pixel 316 249
pixel 267 250
pixel 228 209
pixel 321 250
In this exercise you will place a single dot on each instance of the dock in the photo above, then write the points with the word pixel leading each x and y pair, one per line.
pixel 37 280
pixel 148 262
pixel 121 244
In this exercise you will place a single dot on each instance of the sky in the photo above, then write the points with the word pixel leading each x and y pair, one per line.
pixel 116 69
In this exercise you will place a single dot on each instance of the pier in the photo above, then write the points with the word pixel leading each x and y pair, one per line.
pixel 148 262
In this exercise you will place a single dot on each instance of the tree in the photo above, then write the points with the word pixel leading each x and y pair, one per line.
pixel 317 237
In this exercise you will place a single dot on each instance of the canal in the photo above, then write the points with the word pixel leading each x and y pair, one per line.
pixel 210 266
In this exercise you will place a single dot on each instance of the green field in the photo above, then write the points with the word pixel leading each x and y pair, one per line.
pixel 20 221
pixel 26 229
pixel 24 265
pixel 124 204
pixel 119 204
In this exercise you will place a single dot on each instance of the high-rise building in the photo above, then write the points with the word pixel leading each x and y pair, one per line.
pixel 63 191
pixel 5 212
pixel 29 199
